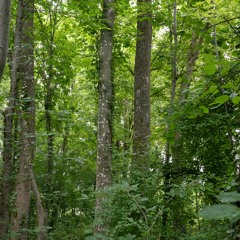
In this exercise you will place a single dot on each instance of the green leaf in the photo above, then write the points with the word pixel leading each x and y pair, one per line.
pixel 221 100
pixel 219 211
pixel 213 89
pixel 205 109
pixel 228 85
pixel 236 100
pixel 229 197
pixel 209 58
pixel 130 220
pixel 210 69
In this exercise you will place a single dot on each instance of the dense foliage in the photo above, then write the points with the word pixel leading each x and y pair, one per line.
pixel 195 127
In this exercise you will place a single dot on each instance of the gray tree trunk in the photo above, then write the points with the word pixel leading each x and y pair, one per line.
pixel 142 89
pixel 5 9
pixel 174 150
pixel 104 148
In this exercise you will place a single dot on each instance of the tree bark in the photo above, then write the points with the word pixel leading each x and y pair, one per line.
pixel 141 127
pixel 39 208
pixel 24 75
pixel 5 10
pixel 104 148
pixel 8 151
pixel 8 154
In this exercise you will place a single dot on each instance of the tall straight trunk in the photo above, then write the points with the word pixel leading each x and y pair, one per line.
pixel 141 126
pixel 193 54
pixel 8 134
pixel 167 166
pixel 179 222
pixel 48 77
pixel 104 148
pixel 24 74
pixel 48 107
pixel 174 151
pixel 6 181
pixel 5 9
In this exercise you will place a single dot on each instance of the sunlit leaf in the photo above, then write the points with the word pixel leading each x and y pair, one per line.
pixel 205 109
pixel 236 100
pixel 228 85
pixel 210 69
pixel 221 99
pixel 209 58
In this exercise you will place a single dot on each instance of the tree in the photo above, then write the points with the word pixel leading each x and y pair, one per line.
pixel 104 146
pixel 24 75
pixel 5 9
pixel 141 144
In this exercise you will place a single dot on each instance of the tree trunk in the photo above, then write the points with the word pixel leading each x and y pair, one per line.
pixel 141 127
pixel 48 77
pixel 104 148
pixel 48 105
pixel 5 9
pixel 167 165
pixel 174 150
pixel 8 151
pixel 193 54
pixel 39 208
pixel 26 114
pixel 177 146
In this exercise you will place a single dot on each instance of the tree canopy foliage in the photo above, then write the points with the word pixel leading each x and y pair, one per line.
pixel 189 188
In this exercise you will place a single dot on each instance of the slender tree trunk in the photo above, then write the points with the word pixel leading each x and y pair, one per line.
pixel 5 9
pixel 6 183
pixel 141 127
pixel 48 105
pixel 8 152
pixel 48 108
pixel 104 149
pixel 47 76
pixel 167 165
pixel 175 149
pixel 39 208
pixel 193 55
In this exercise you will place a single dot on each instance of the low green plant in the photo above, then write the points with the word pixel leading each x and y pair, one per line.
pixel 228 210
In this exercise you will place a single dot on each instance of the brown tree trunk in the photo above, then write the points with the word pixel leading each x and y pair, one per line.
pixel 8 152
pixel 141 127
pixel 39 208
pixel 26 114
pixel 104 148
pixel 5 9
